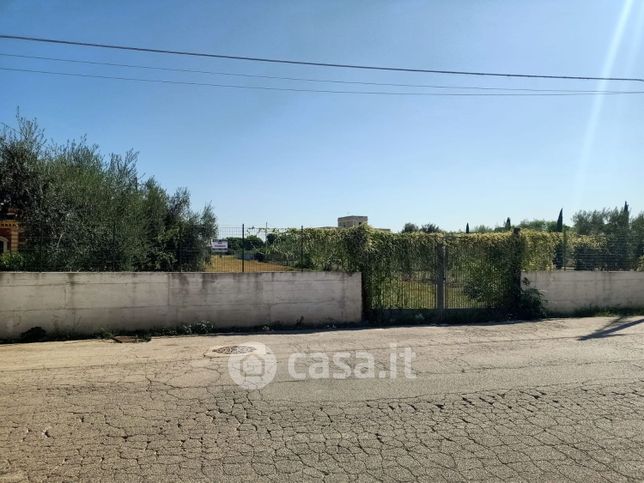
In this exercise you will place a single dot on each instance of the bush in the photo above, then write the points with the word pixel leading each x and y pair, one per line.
pixel 588 252
pixel 531 304
pixel 81 210
pixel 13 262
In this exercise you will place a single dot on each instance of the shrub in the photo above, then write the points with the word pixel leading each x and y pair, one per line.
pixel 13 261
pixel 531 304
pixel 640 264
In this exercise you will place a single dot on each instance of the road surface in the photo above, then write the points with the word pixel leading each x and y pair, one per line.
pixel 551 400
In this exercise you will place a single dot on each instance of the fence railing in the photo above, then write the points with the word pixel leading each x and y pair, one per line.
pixel 401 272
pixel 602 252
pixel 257 249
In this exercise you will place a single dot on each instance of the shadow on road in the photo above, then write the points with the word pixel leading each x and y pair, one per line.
pixel 610 329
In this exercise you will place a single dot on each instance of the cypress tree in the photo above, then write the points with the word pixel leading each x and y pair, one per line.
pixel 559 253
pixel 559 228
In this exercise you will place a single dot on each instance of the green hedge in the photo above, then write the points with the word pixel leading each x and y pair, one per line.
pixel 486 264
pixel 400 269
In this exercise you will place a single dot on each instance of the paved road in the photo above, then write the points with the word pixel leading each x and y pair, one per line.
pixel 554 400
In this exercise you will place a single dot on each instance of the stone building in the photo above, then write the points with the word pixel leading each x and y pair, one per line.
pixel 352 221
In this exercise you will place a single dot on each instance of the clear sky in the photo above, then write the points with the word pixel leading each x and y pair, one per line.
pixel 293 158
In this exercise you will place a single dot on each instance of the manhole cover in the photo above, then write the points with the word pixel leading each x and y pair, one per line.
pixel 234 349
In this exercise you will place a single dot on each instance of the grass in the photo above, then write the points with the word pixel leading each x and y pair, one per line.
pixel 232 264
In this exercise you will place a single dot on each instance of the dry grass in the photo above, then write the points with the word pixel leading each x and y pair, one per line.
pixel 231 264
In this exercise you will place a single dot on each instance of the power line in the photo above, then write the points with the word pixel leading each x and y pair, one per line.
pixel 316 64
pixel 301 79
pixel 322 91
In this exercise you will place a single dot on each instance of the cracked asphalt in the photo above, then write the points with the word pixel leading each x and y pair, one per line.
pixel 551 400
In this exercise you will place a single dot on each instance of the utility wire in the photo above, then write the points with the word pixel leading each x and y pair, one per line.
pixel 324 91
pixel 301 79
pixel 316 64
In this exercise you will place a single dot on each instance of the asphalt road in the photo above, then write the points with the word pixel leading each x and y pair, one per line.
pixel 552 400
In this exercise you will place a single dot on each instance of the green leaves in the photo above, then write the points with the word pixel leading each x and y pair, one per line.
pixel 82 211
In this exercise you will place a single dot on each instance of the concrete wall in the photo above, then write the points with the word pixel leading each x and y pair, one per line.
pixel 566 292
pixel 84 303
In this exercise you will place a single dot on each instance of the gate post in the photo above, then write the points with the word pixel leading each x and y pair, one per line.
pixel 441 258
pixel 243 247
pixel 517 264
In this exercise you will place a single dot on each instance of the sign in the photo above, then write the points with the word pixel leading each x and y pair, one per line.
pixel 219 245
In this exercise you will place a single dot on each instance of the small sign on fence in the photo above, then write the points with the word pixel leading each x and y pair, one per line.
pixel 219 245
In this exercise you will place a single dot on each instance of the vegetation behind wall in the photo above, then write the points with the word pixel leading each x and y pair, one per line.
pixel 82 211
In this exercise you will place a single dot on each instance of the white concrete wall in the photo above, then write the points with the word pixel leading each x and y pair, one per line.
pixel 84 303
pixel 566 292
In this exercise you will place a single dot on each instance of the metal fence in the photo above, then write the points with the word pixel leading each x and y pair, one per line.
pixel 453 273
pixel 240 248
pixel 452 278
pixel 256 249
pixel 49 255
pixel 616 252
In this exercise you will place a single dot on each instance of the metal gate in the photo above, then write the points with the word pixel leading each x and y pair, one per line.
pixel 454 282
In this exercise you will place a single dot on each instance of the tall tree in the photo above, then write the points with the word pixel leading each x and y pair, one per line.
pixel 467 228
pixel 430 228
pixel 410 228
pixel 81 211
pixel 559 227
pixel 613 227
pixel 561 245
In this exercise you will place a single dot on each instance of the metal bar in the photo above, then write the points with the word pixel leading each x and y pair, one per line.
pixel 440 277
pixel 302 249
pixel 565 248
pixel 243 247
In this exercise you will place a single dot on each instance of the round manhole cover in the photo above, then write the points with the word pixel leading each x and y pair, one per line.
pixel 234 349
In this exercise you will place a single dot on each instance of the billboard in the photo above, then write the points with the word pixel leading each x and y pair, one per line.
pixel 219 245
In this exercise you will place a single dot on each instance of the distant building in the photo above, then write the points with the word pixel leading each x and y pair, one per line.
pixel 9 232
pixel 352 221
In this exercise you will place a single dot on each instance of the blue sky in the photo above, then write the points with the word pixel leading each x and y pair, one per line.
pixel 288 159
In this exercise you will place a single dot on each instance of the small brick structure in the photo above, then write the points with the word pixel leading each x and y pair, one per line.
pixel 9 235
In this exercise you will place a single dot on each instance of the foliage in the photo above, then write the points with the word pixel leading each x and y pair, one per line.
pixel 410 228
pixel 531 303
pixel 426 228
pixel 430 228
pixel 538 225
pixel 637 235
pixel 540 249
pixel 559 225
pixel 488 264
pixel 613 244
pixel 251 244
pixel 12 261
pixel 640 264
pixel 82 211
pixel 589 252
